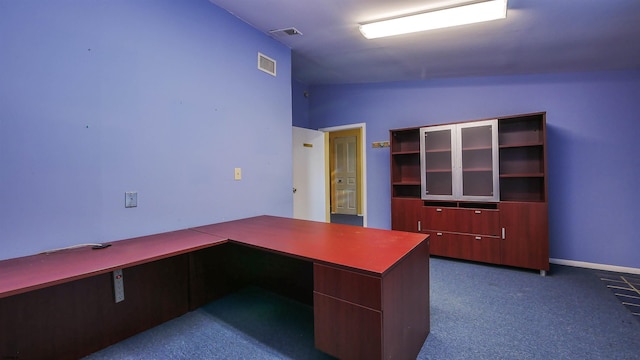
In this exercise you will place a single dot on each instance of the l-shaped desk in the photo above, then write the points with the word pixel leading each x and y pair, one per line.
pixel 369 287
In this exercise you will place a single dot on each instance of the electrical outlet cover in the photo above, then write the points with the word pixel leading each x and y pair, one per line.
pixel 131 199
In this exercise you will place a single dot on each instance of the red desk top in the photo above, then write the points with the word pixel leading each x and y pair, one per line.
pixel 365 249
pixel 28 273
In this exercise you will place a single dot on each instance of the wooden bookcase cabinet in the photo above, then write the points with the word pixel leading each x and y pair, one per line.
pixel 512 231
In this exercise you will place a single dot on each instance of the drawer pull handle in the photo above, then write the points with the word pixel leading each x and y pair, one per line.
pixel 478 212
pixel 439 210
pixel 419 226
pixel 439 234
pixel 478 237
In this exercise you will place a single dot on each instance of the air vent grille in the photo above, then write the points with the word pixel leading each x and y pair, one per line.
pixel 266 64
pixel 285 32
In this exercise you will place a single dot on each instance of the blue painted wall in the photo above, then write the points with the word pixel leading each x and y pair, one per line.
pixel 593 147
pixel 162 97
pixel 300 104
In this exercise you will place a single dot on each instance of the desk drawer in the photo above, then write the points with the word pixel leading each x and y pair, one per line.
pixel 347 285
pixel 346 330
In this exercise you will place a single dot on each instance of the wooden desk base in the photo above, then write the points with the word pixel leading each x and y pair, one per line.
pixel 357 314
pixel 74 319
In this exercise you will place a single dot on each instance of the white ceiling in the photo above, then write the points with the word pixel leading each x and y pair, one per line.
pixel 538 36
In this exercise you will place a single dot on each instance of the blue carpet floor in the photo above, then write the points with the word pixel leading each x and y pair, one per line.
pixel 346 219
pixel 486 312
pixel 477 312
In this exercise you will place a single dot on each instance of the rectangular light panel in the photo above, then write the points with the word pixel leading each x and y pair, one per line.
pixel 467 14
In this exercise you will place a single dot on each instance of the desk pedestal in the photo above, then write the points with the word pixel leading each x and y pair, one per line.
pixel 359 316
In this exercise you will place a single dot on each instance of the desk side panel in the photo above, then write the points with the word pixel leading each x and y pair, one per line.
pixel 214 273
pixel 406 306
pixel 74 319
pixel 223 269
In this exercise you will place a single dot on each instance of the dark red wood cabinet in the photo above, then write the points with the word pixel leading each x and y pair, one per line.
pixel 406 214
pixel 511 231
pixel 524 246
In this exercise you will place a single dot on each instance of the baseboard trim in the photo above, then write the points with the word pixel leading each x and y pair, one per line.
pixel 588 265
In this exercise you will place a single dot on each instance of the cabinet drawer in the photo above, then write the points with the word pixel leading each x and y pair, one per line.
pixel 470 221
pixel 463 246
pixel 347 285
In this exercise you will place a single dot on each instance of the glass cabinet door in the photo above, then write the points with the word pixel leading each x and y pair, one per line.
pixel 460 161
pixel 478 160
pixel 437 148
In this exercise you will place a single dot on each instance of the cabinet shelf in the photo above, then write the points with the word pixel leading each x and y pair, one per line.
pixel 438 171
pixel 406 197
pixel 406 191
pixel 400 153
pixel 521 131
pixel 523 175
pixel 477 170
pixel 477 148
pixel 520 145
pixel 522 188
pixel 406 183
pixel 405 167
pixel 437 151
pixel 405 140
pixel 522 160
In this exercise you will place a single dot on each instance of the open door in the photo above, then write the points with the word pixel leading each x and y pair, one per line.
pixel 309 175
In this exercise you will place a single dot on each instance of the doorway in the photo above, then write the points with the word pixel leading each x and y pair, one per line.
pixel 347 175
pixel 311 175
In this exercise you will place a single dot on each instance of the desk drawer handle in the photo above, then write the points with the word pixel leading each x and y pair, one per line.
pixel 439 234
pixel 439 210
pixel 478 212
pixel 478 237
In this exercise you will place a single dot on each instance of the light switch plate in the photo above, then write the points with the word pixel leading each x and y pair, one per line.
pixel 131 199
pixel 237 174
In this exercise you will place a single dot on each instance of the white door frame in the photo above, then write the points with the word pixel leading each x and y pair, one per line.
pixel 363 148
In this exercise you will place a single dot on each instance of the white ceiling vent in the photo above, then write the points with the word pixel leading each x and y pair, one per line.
pixel 285 32
pixel 266 64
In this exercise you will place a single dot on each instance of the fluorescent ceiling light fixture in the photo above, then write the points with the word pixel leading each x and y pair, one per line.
pixel 461 15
